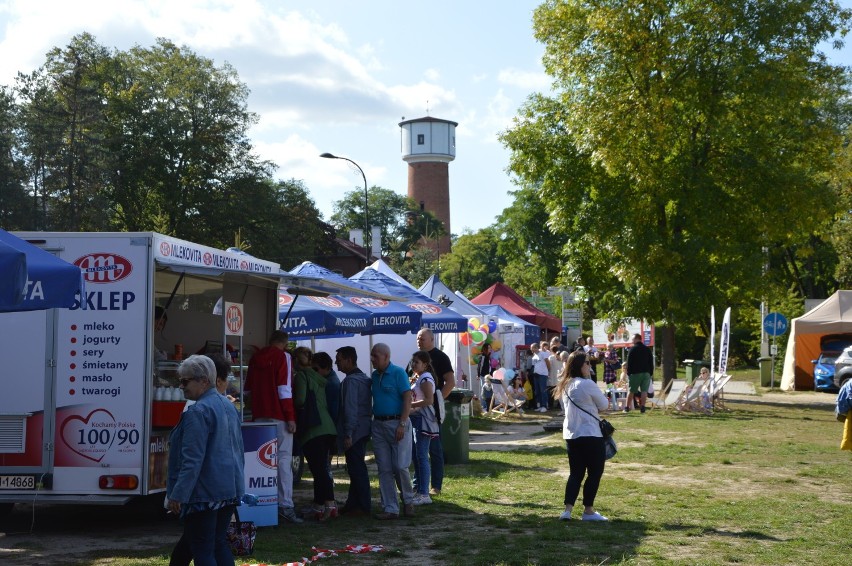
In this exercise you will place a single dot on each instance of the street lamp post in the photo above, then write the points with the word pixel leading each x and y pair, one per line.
pixel 366 204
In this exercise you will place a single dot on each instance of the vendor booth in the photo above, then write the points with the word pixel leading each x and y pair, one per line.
pixel 506 297
pixel 832 316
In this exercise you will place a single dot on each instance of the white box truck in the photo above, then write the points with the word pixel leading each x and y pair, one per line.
pixel 85 410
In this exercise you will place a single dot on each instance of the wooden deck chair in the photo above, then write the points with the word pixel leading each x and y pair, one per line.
pixel 667 397
pixel 500 400
pixel 693 399
pixel 717 392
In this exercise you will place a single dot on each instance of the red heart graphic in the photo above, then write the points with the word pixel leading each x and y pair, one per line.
pixel 74 424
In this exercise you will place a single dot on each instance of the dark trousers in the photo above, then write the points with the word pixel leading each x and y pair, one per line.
pixel 586 455
pixel 181 554
pixel 436 456
pixel 359 480
pixel 317 451
pixel 205 533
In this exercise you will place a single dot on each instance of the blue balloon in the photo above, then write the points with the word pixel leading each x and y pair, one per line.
pixel 509 374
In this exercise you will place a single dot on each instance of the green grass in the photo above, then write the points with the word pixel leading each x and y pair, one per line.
pixel 758 484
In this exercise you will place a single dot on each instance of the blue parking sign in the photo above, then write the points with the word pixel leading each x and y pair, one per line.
pixel 774 324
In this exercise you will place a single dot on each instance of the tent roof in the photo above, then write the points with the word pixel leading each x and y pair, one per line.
pixel 383 268
pixel 832 315
pixel 506 297
pixel 434 288
pixel 531 332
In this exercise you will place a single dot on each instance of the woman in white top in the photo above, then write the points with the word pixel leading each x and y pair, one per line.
pixel 424 423
pixel 582 434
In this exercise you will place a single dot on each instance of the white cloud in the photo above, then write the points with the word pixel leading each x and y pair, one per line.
pixel 432 75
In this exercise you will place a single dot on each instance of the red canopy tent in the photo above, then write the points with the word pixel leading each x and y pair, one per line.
pixel 506 297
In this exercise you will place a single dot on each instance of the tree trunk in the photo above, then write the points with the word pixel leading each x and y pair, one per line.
pixel 669 363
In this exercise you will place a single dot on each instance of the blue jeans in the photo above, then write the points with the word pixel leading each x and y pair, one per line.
pixel 540 384
pixel 420 456
pixel 206 533
pixel 359 480
pixel 486 399
pixel 436 456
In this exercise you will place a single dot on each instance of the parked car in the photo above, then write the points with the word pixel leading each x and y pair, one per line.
pixel 831 346
pixel 843 368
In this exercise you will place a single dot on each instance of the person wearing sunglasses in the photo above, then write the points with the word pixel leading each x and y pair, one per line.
pixel 206 464
pixel 582 400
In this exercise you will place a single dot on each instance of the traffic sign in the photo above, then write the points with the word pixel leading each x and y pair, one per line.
pixel 775 324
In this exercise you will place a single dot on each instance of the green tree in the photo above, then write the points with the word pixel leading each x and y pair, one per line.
pixel 475 262
pixel 64 126
pixel 15 206
pixel 180 128
pixel 700 132
pixel 841 233
pixel 403 225
pixel 532 250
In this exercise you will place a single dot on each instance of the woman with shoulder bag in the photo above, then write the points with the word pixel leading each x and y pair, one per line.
pixel 581 399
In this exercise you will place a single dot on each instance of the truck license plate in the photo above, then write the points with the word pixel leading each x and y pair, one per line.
pixel 17 482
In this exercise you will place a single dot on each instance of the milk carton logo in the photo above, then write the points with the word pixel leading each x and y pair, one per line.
pixel 368 302
pixel 165 249
pixel 425 308
pixel 267 454
pixel 234 319
pixel 104 267
pixel 284 300
pixel 329 302
pixel 207 258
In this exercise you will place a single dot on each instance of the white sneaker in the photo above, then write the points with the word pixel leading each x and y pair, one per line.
pixel 422 499
pixel 594 517
pixel 542 409
pixel 565 516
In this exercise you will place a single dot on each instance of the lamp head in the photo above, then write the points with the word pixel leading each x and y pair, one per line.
pixel 328 155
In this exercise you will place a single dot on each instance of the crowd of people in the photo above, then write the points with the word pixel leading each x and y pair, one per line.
pixel 399 409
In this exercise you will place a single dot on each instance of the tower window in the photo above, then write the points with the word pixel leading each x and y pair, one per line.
pixel 421 139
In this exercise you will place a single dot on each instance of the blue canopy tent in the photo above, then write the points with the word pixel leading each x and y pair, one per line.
pixel 311 316
pixel 436 317
pixel 50 281
pixel 385 317
pixel 13 267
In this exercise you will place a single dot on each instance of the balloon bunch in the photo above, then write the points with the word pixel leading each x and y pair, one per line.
pixel 480 333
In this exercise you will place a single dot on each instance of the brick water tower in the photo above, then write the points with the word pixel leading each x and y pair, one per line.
pixel 428 146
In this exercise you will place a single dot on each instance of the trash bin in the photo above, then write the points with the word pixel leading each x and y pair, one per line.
pixel 455 430
pixel 689 370
pixel 765 371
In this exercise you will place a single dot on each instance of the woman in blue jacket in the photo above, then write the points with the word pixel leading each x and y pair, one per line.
pixel 206 461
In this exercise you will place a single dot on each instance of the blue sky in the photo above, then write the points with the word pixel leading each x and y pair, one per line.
pixel 336 76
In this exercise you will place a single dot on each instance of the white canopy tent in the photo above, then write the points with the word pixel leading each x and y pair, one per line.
pixel 832 316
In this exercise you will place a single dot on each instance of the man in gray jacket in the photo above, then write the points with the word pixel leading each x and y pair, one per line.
pixel 353 424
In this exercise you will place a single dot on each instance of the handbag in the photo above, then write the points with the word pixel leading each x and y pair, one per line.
pixel 610 448
pixel 241 535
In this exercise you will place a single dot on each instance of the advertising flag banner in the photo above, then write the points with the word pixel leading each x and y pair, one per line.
pixel 725 342
pixel 712 336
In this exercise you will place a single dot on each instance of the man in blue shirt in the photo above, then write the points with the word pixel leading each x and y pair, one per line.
pixel 391 431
